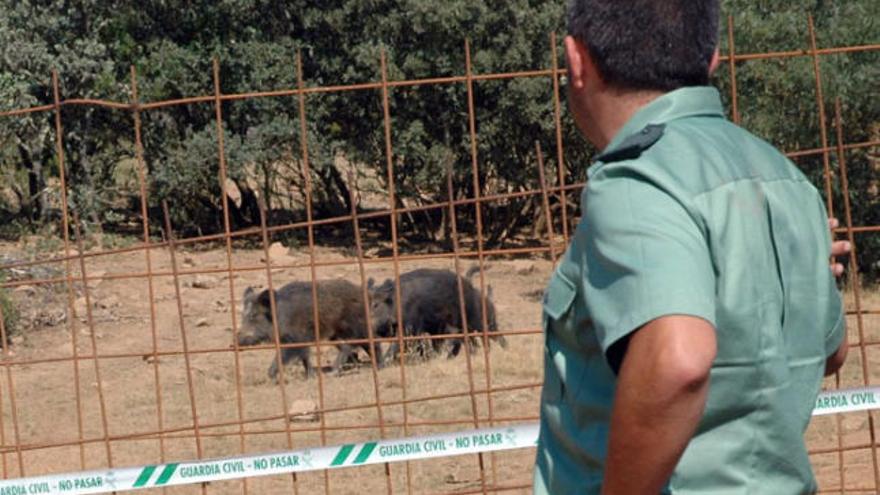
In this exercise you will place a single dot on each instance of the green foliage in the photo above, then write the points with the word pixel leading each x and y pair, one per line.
pixel 172 44
pixel 39 37
pixel 9 313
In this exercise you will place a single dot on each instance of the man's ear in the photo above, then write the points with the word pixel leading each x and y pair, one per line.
pixel 715 62
pixel 582 69
pixel 575 53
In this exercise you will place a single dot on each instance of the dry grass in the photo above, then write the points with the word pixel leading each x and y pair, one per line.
pixel 47 412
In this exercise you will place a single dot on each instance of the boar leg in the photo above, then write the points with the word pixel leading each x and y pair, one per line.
pixel 500 340
pixel 303 354
pixel 342 357
pixel 288 354
pixel 392 352
pixel 377 351
pixel 456 343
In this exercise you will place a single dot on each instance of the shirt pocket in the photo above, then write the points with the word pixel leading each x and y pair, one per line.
pixel 558 301
pixel 559 297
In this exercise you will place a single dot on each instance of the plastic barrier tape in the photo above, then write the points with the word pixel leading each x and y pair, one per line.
pixel 339 456
pixel 841 401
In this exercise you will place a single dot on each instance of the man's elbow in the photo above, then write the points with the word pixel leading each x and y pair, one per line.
pixel 687 373
pixel 684 355
pixel 836 360
pixel 676 351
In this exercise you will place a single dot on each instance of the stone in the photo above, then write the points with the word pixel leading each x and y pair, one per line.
pixel 278 254
pixel 202 282
pixel 304 410
pixel 277 249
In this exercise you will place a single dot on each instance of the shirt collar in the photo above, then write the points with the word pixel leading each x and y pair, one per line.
pixel 683 102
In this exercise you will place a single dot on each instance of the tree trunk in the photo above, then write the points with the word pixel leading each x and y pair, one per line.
pixel 335 192
pixel 248 214
pixel 341 186
pixel 33 205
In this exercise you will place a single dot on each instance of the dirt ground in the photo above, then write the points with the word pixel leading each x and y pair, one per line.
pixel 229 387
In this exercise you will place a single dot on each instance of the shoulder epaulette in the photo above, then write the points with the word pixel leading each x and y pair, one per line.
pixel 633 146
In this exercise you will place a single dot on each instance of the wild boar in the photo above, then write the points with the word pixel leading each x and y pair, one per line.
pixel 430 304
pixel 340 317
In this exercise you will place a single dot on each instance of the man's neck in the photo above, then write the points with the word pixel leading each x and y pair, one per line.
pixel 613 109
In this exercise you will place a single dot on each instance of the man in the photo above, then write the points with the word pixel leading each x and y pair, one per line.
pixel 690 322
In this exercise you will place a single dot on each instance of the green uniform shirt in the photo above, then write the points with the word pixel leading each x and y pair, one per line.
pixel 685 213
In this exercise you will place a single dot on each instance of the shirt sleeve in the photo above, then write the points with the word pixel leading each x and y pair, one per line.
pixel 645 257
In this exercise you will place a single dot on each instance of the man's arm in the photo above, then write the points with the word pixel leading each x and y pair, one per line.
pixel 660 396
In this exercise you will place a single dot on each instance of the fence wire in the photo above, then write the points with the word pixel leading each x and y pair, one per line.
pixel 189 394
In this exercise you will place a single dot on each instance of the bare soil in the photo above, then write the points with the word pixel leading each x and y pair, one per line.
pixel 138 395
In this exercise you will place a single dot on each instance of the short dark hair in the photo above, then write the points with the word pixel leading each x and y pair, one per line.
pixel 648 44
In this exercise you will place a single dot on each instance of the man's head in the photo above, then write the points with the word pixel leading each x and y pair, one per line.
pixel 636 47
pixel 658 45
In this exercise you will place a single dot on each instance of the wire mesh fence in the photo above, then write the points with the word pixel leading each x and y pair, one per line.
pixel 150 365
